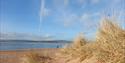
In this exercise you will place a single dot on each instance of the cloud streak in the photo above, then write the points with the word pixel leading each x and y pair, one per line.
pixel 43 13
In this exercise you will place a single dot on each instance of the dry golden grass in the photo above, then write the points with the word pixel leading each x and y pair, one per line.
pixel 111 43
pixel 109 47
pixel 31 58
pixel 34 57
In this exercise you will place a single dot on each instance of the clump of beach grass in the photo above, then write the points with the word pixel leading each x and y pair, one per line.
pixel 109 46
pixel 111 42
pixel 30 58
pixel 33 57
pixel 77 50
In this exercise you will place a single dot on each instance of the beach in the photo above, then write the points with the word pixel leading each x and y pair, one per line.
pixel 16 56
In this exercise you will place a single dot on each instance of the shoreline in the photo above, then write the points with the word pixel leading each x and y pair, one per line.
pixel 28 49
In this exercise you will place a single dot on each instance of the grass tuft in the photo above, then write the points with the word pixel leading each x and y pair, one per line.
pixel 109 46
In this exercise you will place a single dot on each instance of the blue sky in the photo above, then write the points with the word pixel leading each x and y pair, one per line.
pixel 58 19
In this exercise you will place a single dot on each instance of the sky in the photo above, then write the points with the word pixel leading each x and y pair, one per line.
pixel 57 19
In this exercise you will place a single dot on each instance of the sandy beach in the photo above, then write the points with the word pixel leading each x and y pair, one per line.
pixel 15 56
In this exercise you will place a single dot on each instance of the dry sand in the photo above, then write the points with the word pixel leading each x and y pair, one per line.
pixel 14 56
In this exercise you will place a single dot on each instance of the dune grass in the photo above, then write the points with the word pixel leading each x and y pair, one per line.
pixel 109 47
pixel 34 57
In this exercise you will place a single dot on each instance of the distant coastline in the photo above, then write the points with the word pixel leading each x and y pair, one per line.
pixel 42 41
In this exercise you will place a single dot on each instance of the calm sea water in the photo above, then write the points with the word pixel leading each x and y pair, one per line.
pixel 26 45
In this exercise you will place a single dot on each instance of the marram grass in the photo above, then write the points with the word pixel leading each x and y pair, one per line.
pixel 109 47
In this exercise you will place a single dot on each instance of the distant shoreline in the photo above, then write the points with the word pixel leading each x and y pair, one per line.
pixel 19 45
pixel 45 41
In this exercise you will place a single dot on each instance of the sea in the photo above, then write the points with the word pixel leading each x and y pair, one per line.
pixel 29 45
